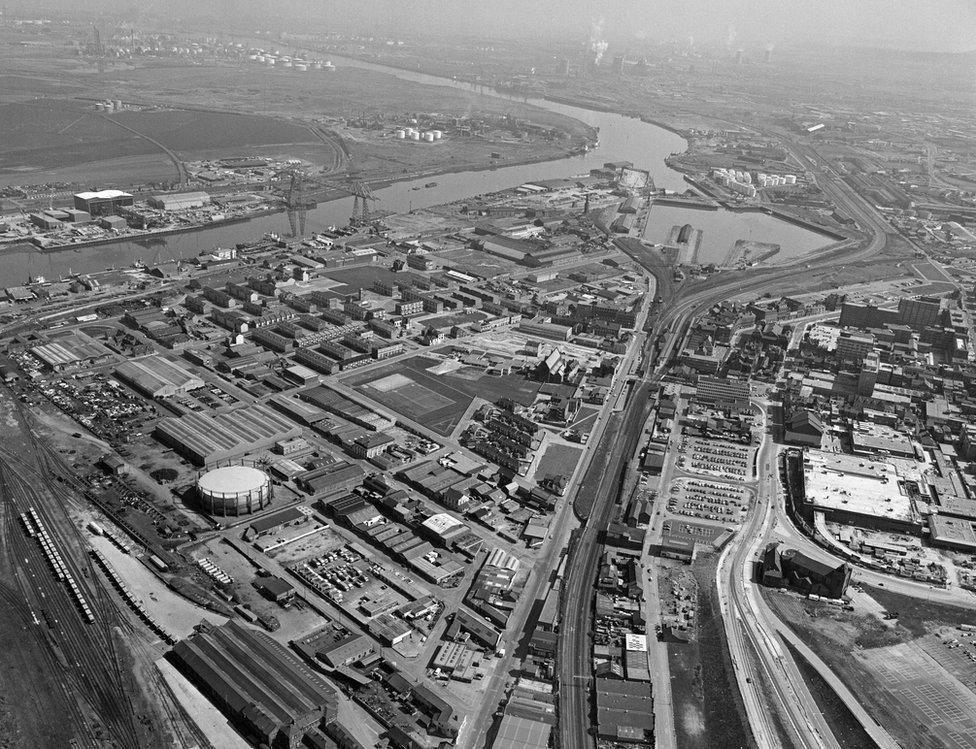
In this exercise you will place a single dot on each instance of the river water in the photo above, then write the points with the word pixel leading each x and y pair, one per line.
pixel 621 138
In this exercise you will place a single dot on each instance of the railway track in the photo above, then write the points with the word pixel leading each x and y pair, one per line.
pixel 89 660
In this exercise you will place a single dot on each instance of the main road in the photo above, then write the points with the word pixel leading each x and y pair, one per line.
pixel 576 717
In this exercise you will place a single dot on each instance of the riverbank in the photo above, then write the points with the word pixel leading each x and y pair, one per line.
pixel 148 234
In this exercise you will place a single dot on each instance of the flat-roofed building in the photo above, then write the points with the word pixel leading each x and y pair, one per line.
pixel 102 202
pixel 952 533
pixel 859 491
pixel 179 201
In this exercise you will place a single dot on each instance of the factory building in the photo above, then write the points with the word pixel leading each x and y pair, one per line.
pixel 71 350
pixel 179 201
pixel 157 377
pixel 544 329
pixel 271 696
pixel 723 394
pixel 330 479
pixel 625 711
pixel 103 202
pixel 204 438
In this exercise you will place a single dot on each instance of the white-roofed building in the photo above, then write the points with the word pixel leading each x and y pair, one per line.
pixel 102 202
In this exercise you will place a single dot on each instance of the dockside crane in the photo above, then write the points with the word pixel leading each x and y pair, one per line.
pixel 362 195
pixel 296 203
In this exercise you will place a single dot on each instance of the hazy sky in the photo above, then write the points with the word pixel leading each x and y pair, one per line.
pixel 944 25
pixel 934 25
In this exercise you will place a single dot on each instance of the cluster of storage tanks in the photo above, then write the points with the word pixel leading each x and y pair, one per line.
pixel 298 64
pixel 412 133
pixel 109 105
pixel 742 183
pixel 775 180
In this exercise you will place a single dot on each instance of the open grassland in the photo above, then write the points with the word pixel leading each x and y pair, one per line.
pixel 345 92
pixel 50 125
pixel 49 133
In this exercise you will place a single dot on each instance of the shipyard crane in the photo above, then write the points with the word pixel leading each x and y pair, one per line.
pixel 299 197
pixel 296 203
pixel 362 195
pixel 99 49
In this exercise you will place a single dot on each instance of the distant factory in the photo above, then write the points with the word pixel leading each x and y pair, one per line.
pixel 103 202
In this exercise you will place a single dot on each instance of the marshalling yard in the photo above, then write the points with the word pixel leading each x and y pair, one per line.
pixel 523 469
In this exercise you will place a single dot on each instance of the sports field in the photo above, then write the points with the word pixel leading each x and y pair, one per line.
pixel 437 401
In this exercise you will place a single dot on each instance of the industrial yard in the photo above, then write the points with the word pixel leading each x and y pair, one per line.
pixel 368 385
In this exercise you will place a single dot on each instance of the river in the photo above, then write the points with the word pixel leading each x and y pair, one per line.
pixel 621 139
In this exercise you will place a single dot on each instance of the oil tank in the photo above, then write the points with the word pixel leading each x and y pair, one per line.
pixel 233 490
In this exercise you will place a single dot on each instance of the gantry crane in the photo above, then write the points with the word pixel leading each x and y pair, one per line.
pixel 299 198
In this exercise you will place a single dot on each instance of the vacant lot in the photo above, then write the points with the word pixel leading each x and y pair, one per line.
pixel 559 460
pixel 901 685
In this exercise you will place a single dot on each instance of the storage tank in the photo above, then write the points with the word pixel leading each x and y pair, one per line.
pixel 316 65
pixel 233 490
pixel 414 135
pixel 260 58
pixel 400 134
pixel 286 64
pixel 438 134
pixel 428 137
pixel 301 67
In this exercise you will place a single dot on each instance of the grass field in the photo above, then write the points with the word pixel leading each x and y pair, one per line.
pixel 437 401
pixel 63 133
pixel 361 276
pixel 559 460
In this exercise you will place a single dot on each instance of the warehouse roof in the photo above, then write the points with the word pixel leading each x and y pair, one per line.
pixel 70 349
pixel 157 376
pixel 251 427
pixel 441 523
pixel 102 195
pixel 253 676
